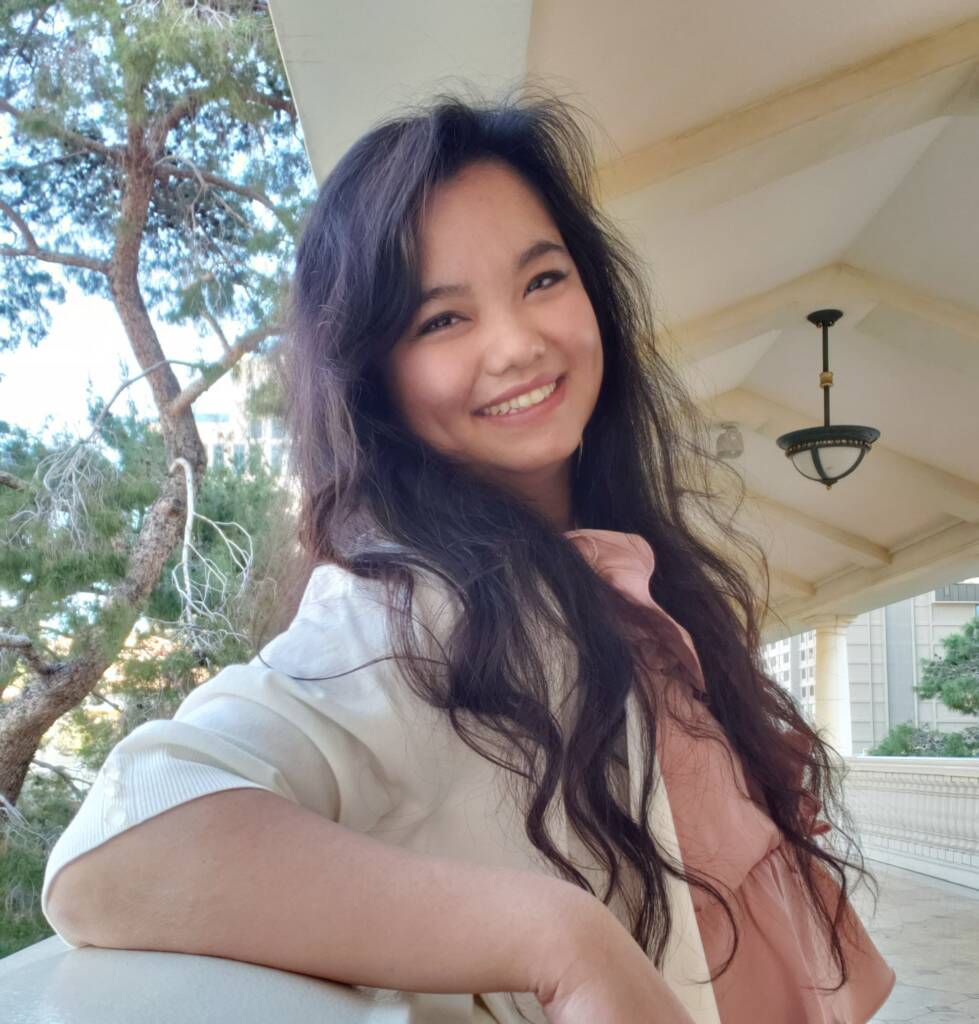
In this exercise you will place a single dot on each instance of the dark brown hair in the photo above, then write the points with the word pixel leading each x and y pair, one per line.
pixel 646 469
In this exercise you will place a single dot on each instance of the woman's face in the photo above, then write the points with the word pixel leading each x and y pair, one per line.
pixel 506 314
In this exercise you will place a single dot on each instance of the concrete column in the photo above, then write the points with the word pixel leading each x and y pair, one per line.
pixel 832 690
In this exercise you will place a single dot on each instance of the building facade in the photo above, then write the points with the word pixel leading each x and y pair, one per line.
pixel 231 439
pixel 885 648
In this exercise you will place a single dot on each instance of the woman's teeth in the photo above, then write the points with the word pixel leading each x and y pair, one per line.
pixel 523 401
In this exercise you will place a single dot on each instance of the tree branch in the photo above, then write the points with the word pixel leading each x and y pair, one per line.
pixel 189 104
pixel 13 482
pixel 32 249
pixel 59 771
pixel 165 170
pixel 245 344
pixel 186 107
pixel 105 700
pixel 59 131
pixel 19 51
pixel 22 226
pixel 280 103
pixel 67 259
pixel 215 326
pixel 128 383
pixel 25 646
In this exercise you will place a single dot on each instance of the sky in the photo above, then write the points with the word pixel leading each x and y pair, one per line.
pixel 45 388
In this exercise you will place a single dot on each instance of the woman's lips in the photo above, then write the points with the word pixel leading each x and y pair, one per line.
pixel 533 412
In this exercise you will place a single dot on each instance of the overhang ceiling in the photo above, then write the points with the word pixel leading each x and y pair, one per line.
pixel 766 159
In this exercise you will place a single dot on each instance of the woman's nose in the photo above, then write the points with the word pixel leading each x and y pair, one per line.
pixel 513 342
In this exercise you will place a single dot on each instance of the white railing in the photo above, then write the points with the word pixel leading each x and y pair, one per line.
pixel 920 813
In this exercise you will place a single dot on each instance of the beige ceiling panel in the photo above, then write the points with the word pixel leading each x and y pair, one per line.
pixel 351 64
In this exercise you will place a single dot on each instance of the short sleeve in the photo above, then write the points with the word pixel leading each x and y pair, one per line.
pixel 319 718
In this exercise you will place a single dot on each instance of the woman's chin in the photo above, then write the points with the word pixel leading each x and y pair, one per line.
pixel 525 464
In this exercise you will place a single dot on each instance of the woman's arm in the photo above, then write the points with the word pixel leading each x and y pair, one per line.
pixel 248 875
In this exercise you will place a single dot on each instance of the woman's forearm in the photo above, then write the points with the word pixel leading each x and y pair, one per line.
pixel 247 875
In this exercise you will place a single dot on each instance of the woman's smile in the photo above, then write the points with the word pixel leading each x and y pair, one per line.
pixel 526 408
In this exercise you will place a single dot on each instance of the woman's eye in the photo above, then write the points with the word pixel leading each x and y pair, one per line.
pixel 558 275
pixel 441 321
pixel 436 323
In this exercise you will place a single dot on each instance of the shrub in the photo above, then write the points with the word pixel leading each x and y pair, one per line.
pixel 908 740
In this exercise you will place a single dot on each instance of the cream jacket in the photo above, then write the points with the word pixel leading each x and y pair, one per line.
pixel 364 751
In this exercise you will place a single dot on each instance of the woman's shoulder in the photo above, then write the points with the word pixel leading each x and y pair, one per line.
pixel 343 616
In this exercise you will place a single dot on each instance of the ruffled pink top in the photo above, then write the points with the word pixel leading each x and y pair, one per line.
pixel 783 956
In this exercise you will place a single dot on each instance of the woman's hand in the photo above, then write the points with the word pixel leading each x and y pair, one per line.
pixel 601 974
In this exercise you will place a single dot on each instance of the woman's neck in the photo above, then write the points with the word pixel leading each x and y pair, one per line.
pixel 547 492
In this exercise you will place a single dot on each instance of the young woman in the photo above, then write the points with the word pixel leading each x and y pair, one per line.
pixel 527 747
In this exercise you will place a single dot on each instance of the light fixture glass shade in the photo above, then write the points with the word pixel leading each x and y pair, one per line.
pixel 830 463
pixel 827 454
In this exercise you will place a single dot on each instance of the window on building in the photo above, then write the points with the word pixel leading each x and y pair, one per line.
pixel 239 458
pixel 217 456
pixel 276 460
pixel 255 429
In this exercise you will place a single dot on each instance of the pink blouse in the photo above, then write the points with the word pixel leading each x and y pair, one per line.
pixel 783 955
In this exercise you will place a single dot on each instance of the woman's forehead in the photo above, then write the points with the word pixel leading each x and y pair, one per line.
pixel 486 188
pixel 483 205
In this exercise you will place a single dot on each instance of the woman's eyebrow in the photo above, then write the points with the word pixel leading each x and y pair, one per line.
pixel 539 248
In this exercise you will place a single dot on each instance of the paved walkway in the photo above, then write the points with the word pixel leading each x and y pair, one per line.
pixel 928 931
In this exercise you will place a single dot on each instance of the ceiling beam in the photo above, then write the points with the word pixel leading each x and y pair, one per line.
pixel 860 549
pixel 950 554
pixel 865 284
pixel 769 513
pixel 795 584
pixel 948 55
pixel 787 305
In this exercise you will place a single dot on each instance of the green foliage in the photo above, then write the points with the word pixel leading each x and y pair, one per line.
pixel 84 74
pixel 908 740
pixel 46 805
pixel 158 668
pixel 266 399
pixel 56 584
pixel 55 564
pixel 954 678
pixel 25 298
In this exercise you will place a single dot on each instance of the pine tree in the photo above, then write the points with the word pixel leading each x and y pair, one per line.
pixel 954 678
pixel 154 160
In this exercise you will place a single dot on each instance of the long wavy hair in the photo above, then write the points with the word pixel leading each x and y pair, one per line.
pixel 645 467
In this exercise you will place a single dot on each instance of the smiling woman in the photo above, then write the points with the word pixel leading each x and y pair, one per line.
pixel 577 795
pixel 505 378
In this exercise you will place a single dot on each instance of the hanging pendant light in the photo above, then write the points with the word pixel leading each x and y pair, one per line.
pixel 827 453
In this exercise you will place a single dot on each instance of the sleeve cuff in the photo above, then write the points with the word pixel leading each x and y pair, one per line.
pixel 120 799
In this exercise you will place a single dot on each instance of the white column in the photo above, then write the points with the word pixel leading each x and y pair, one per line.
pixel 832 689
